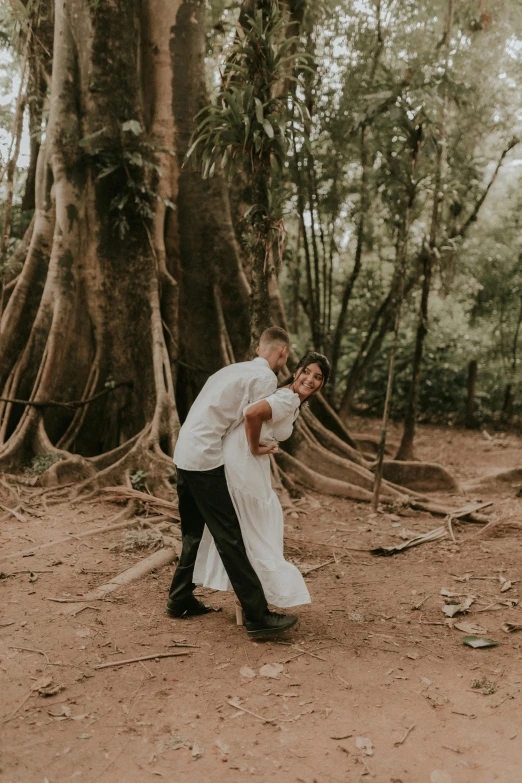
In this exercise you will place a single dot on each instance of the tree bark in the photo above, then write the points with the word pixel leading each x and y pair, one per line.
pixel 471 390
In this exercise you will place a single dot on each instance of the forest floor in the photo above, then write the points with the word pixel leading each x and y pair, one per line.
pixel 372 685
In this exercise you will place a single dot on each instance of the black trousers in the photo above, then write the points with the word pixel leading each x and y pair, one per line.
pixel 204 499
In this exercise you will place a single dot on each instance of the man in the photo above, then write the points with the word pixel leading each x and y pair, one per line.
pixel 202 488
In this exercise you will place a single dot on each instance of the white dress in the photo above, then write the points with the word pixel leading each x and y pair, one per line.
pixel 259 511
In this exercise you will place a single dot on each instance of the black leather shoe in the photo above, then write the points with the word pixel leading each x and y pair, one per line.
pixel 190 608
pixel 272 622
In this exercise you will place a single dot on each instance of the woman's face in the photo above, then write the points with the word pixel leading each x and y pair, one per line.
pixel 309 379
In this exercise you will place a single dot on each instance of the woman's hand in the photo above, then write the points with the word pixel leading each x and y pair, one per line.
pixel 254 418
pixel 265 448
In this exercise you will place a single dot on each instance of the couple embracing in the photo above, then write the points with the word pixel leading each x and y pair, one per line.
pixel 231 519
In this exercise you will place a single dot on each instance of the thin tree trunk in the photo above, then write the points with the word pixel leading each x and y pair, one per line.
pixel 471 391
pixel 352 279
pixel 406 448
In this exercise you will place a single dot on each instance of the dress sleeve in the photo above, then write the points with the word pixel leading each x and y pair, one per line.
pixel 284 404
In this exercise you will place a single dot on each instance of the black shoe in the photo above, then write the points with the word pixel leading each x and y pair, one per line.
pixel 190 608
pixel 272 622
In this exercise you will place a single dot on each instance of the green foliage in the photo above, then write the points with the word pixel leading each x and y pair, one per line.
pixel 249 120
pixel 385 76
pixel 131 165
pixel 41 463
pixel 139 480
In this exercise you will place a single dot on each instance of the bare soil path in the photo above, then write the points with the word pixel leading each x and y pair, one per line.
pixel 373 685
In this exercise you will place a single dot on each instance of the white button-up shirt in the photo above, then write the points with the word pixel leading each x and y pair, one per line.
pixel 217 409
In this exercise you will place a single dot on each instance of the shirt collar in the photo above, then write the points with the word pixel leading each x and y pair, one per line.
pixel 260 360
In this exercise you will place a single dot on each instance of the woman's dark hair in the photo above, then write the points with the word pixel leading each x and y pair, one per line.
pixel 312 357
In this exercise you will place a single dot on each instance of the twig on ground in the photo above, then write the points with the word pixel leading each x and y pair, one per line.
pixel 30 649
pixel 141 658
pixel 405 737
pixel 317 567
pixel 151 675
pixel 83 608
pixel 14 512
pixel 11 716
pixel 450 528
pixel 238 706
pixel 71 537
pixel 126 493
pixel 77 600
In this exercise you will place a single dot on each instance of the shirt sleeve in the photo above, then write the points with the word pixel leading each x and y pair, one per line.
pixel 284 403
pixel 261 387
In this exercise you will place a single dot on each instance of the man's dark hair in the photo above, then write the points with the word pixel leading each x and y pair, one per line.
pixel 274 334
pixel 312 357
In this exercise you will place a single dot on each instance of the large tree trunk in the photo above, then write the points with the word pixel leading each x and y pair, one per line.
pixel 89 308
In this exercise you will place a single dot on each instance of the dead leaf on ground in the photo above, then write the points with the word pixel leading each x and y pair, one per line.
pixel 477 641
pixel 272 670
pixel 440 776
pixel 44 682
pixel 197 750
pixel 222 747
pixel 464 577
pixel 505 584
pixel 469 628
pixel 510 603
pixel 364 744
pixel 51 690
pixel 60 711
pixel 450 610
pixel 511 627
pixel 247 672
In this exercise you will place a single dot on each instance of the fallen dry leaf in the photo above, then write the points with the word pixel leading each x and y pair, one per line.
pixel 197 750
pixel 470 628
pixel 511 627
pixel 440 776
pixel 222 747
pixel 272 670
pixel 477 641
pixel 247 672
pixel 364 744
pixel 450 610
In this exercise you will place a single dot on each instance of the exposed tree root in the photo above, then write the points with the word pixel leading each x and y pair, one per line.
pixel 329 419
pixel 369 444
pixel 422 476
pixel 304 447
pixel 496 480
pixel 320 483
pixel 329 440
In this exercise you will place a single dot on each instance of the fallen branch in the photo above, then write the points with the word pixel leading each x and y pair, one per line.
pixel 142 658
pixel 14 512
pixel 157 560
pixel 126 493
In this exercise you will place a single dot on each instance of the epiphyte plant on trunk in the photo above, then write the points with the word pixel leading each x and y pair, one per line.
pixel 133 167
pixel 248 128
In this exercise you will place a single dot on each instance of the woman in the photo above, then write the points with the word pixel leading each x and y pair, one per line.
pixel 247 450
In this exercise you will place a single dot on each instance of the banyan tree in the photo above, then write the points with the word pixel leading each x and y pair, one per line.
pixel 131 284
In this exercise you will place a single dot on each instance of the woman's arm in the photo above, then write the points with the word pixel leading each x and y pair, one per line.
pixel 254 418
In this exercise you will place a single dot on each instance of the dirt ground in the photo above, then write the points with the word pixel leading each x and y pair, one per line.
pixel 372 685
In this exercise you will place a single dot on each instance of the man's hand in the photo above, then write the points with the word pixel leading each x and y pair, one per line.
pixel 265 448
